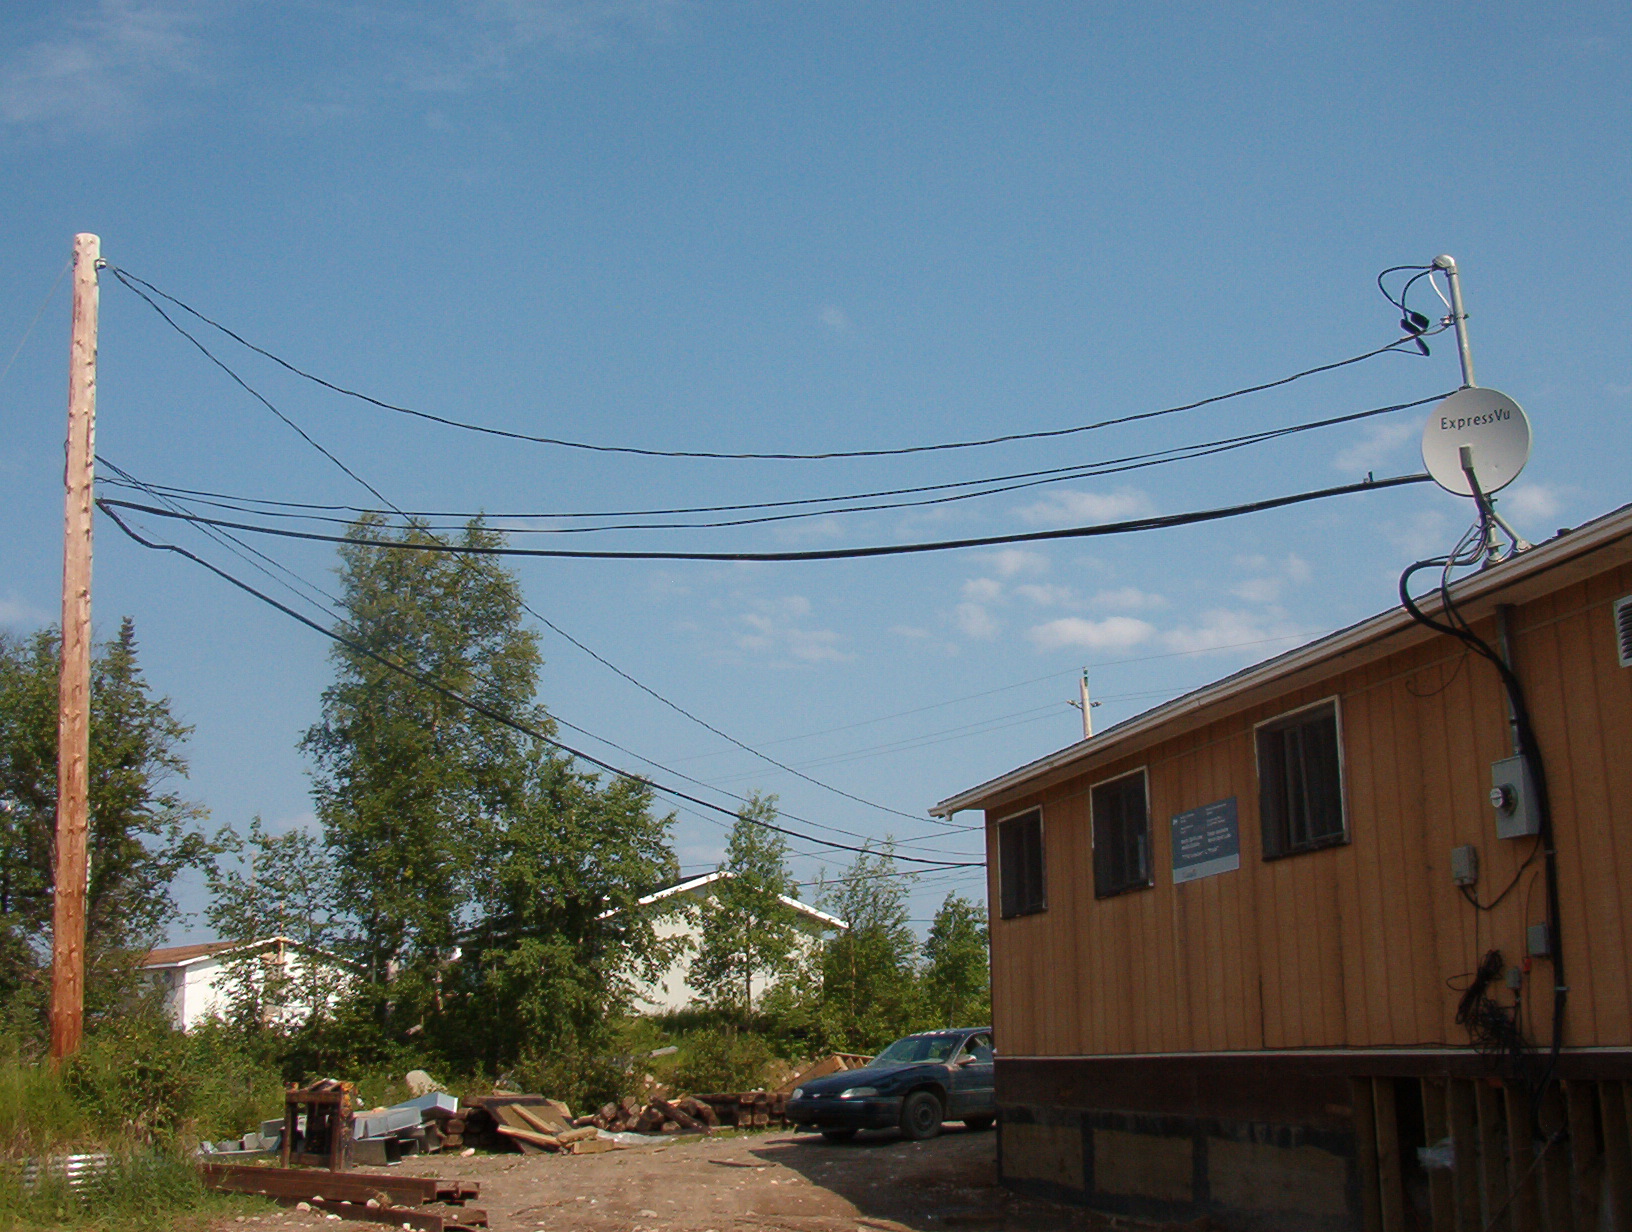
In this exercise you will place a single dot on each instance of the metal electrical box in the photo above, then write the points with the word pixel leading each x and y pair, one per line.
pixel 1513 796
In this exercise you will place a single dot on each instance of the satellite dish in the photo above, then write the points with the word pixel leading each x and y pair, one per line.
pixel 1491 424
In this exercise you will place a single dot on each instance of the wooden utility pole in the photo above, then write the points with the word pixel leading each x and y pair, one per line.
pixel 74 695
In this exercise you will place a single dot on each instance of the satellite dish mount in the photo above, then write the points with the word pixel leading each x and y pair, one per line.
pixel 1477 440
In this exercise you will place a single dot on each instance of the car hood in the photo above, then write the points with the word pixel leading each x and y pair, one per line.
pixel 883 1077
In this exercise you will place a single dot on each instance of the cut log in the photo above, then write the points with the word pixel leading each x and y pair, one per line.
pixel 669 1127
pixel 608 1111
pixel 525 1138
pixel 631 1105
pixel 577 1135
pixel 675 1113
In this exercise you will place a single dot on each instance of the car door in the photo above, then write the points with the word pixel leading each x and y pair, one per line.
pixel 972 1093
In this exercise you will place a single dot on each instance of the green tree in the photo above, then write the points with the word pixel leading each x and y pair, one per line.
pixel 142 832
pixel 956 979
pixel 746 931
pixel 488 886
pixel 408 782
pixel 275 885
pixel 560 936
pixel 869 973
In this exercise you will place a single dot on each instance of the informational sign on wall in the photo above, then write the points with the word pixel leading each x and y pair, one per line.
pixel 1206 841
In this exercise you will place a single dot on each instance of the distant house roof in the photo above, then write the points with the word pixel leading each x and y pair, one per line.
pixel 697 883
pixel 189 955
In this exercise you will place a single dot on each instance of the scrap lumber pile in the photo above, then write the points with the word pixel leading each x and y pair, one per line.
pixel 748 1109
pixel 401 1201
pixel 530 1124
pixel 688 1114
pixel 833 1063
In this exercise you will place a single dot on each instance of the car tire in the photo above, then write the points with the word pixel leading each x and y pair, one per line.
pixel 838 1135
pixel 978 1124
pixel 921 1116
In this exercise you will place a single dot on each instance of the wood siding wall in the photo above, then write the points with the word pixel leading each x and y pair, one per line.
pixel 1357 945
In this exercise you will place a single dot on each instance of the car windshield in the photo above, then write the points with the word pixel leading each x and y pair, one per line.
pixel 936 1048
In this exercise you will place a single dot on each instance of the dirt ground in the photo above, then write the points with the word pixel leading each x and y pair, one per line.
pixel 801 1183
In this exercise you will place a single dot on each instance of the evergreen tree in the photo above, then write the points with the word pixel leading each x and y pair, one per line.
pixel 747 932
pixel 957 981
pixel 869 975
pixel 142 831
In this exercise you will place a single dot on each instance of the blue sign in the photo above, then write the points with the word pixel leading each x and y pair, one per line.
pixel 1206 841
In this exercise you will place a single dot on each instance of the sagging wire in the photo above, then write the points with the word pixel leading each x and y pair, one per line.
pixel 498 716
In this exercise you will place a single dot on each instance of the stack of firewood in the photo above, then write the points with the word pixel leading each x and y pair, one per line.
pixel 656 1116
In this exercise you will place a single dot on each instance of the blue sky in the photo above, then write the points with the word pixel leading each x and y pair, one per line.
pixel 806 227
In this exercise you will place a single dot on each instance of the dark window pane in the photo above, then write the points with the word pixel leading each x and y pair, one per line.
pixel 1300 782
pixel 1121 835
pixel 1020 864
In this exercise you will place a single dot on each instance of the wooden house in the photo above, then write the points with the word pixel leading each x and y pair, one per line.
pixel 1231 936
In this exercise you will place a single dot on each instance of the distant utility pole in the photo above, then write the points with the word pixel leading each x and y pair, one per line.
pixel 74 694
pixel 1084 704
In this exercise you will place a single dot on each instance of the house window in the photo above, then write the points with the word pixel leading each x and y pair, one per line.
pixel 1020 864
pixel 1121 818
pixel 1300 781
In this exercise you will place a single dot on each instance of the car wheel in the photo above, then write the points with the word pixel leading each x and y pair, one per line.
pixel 978 1123
pixel 838 1135
pixel 921 1116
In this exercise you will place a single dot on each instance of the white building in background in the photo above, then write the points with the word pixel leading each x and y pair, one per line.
pixel 196 979
pixel 673 990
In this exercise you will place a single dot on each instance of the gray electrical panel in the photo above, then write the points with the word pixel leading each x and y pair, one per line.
pixel 1513 796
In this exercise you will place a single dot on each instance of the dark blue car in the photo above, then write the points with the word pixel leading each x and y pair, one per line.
pixel 913 1085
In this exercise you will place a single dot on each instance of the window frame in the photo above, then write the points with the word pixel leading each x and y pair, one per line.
pixel 1042 863
pixel 1143 771
pixel 1282 721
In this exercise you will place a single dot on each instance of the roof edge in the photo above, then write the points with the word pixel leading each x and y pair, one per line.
pixel 1583 540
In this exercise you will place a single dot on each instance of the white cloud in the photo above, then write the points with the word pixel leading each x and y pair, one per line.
pixel 98 72
pixel 16 612
pixel 983 590
pixel 1223 627
pixel 1130 598
pixel 835 319
pixel 975 621
pixel 1045 594
pixel 1012 561
pixel 1258 590
pixel 1381 443
pixel 1112 633
pixel 775 627
pixel 1069 505
pixel 1531 500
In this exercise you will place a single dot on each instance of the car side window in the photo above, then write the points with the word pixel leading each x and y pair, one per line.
pixel 980 1047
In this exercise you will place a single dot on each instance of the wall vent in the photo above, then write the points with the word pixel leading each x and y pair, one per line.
pixel 1623 629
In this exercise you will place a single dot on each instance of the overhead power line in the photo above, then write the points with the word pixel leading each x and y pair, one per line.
pixel 137 285
pixel 1028 479
pixel 892 549
pixel 503 719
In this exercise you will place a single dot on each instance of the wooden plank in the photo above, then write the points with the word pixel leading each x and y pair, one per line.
pixel 1586 1159
pixel 1554 1172
pixel 1464 1128
pixel 1365 1148
pixel 1487 1102
pixel 1390 1179
pixel 358 1186
pixel 1524 1207
pixel 529 1141
pixel 1436 1128
pixel 1612 1107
